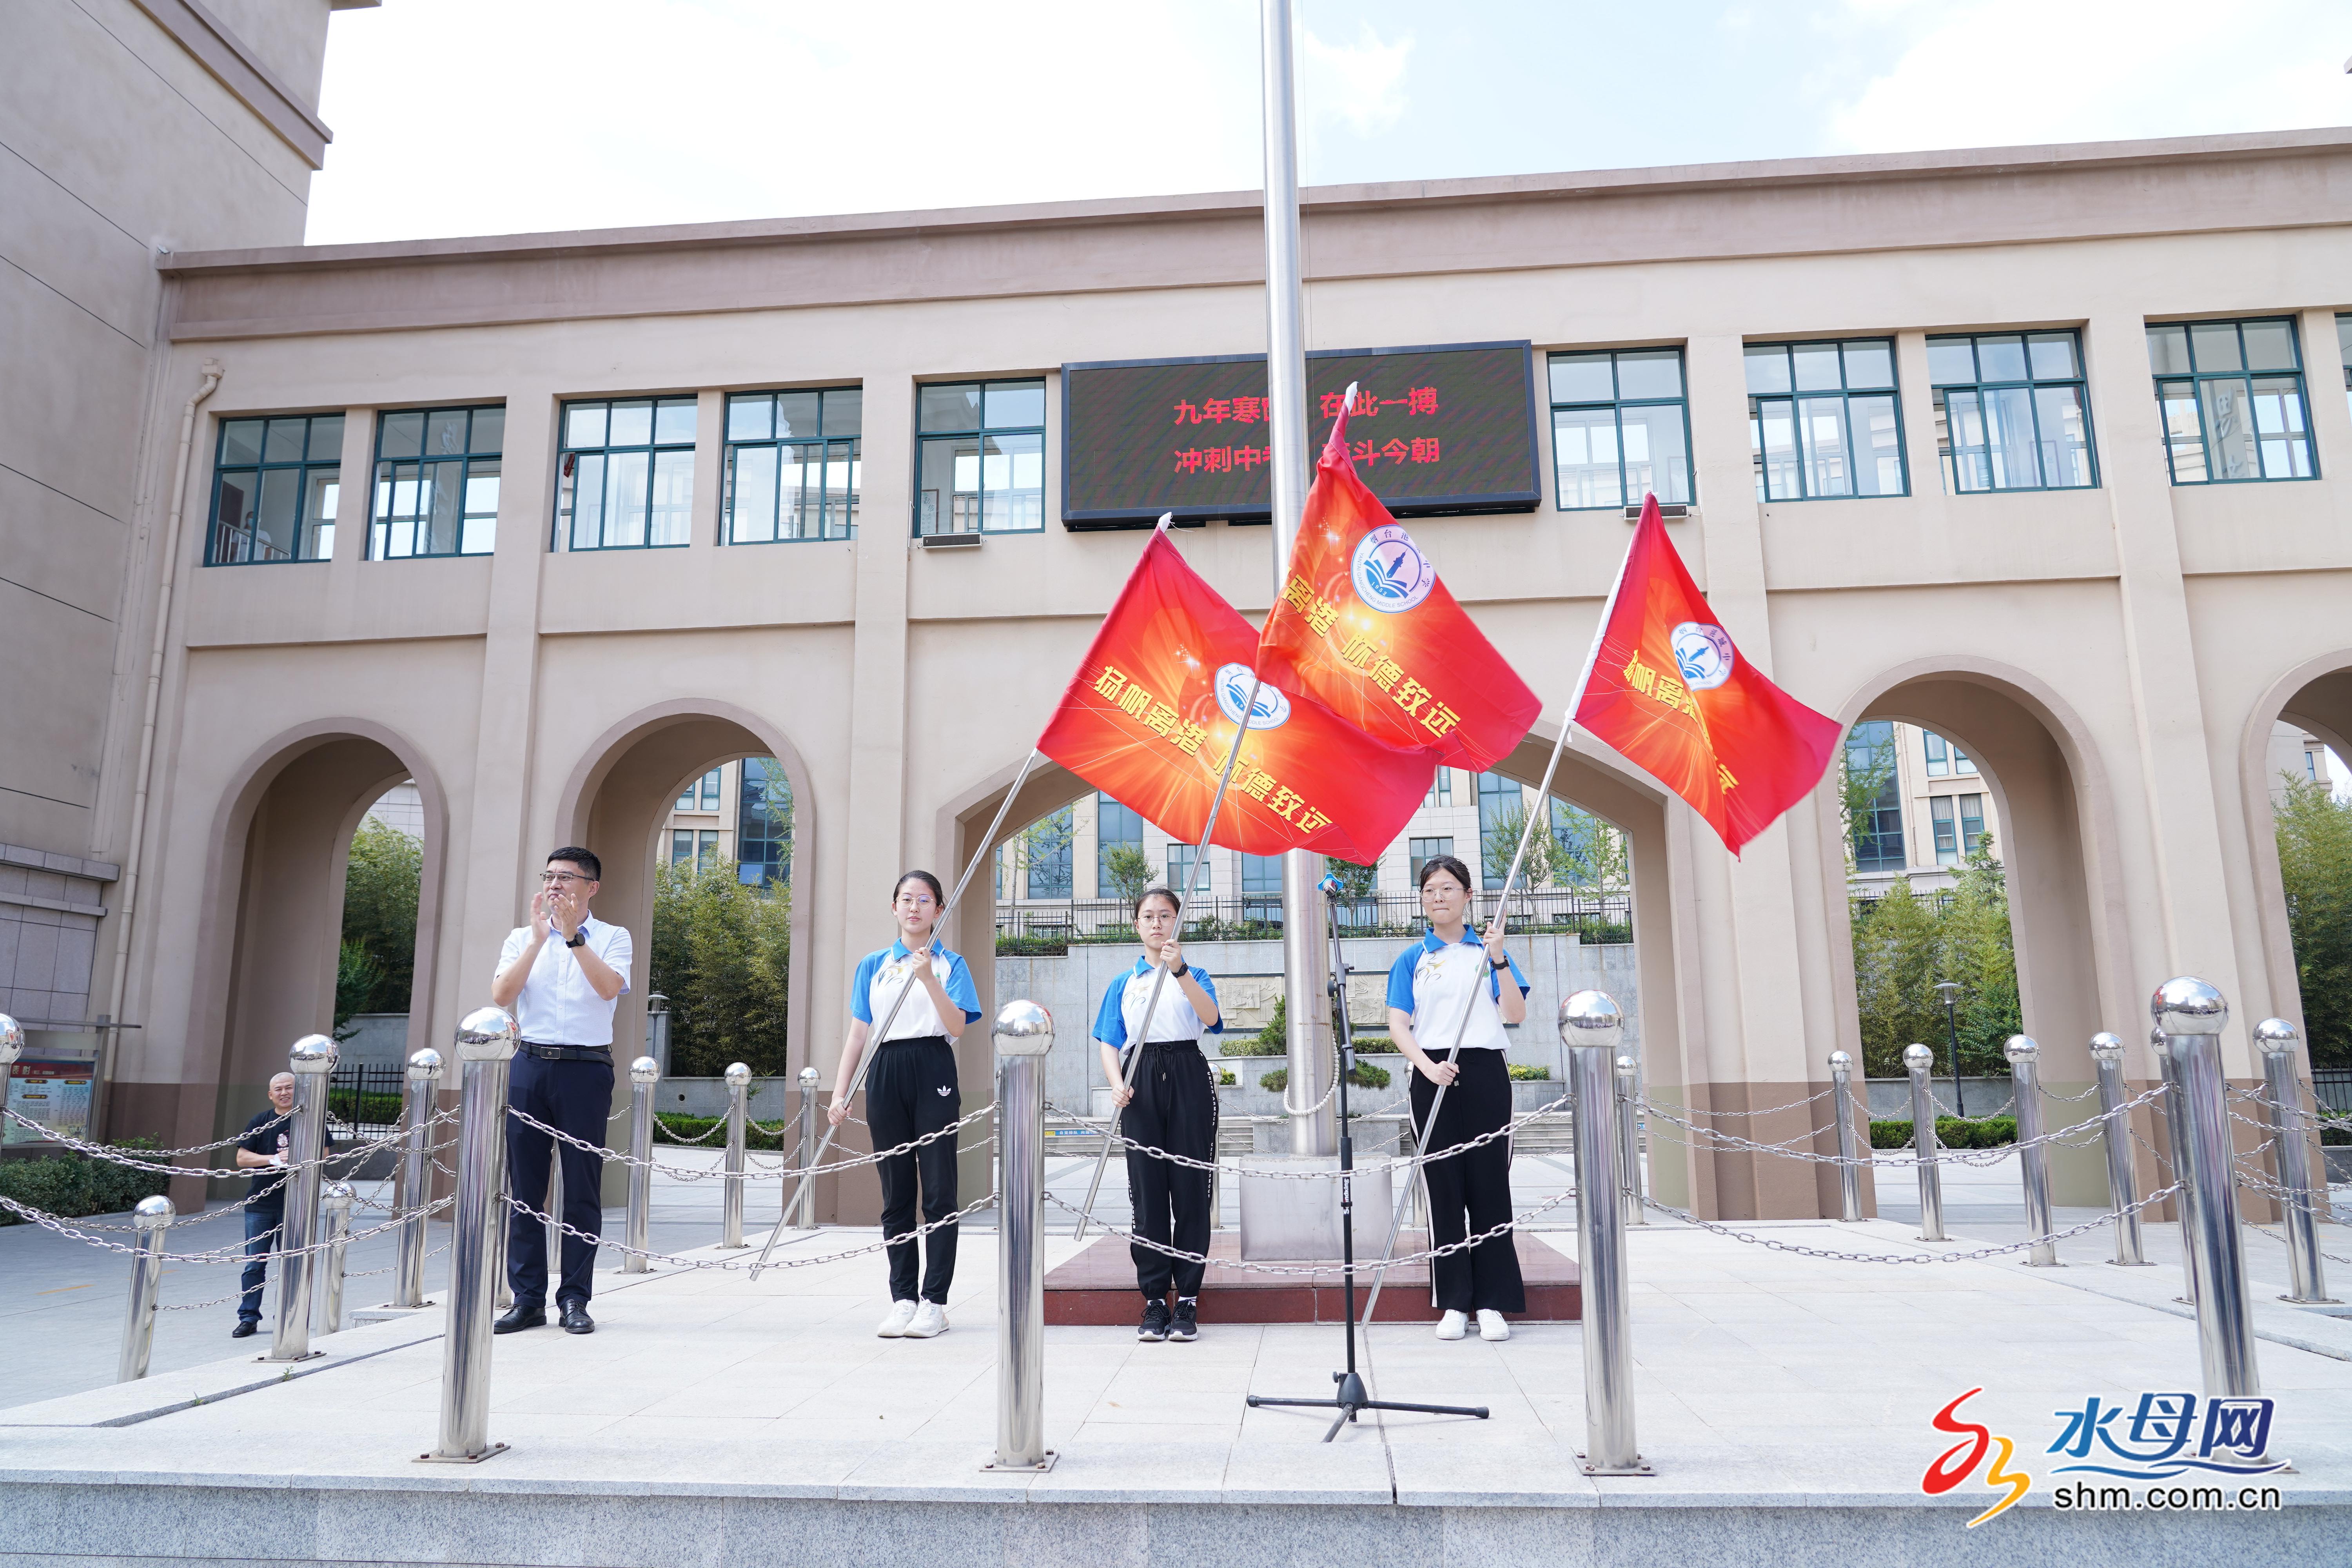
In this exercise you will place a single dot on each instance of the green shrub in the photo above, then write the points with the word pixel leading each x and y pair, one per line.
pixel 1890 1135
pixel 374 1109
pixel 1055 946
pixel 670 1128
pixel 1529 1072
pixel 1226 1077
pixel 1365 1076
pixel 2335 1136
pixel 1251 1046
pixel 1951 1133
pixel 71 1185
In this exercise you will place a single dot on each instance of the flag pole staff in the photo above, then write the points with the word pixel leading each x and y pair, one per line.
pixel 1159 980
pixel 866 1059
pixel 1502 906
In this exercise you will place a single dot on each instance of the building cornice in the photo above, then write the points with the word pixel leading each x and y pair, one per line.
pixel 210 42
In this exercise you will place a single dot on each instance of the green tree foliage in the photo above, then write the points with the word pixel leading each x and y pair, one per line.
pixel 1903 945
pixel 2314 848
pixel 1586 853
pixel 380 883
pixel 1354 881
pixel 1864 770
pixel 721 953
pixel 1501 841
pixel 359 975
pixel 1128 871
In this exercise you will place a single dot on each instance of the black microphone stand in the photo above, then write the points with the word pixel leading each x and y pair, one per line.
pixel 1352 1397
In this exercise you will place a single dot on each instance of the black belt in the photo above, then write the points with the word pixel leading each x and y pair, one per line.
pixel 1171 1045
pixel 548 1053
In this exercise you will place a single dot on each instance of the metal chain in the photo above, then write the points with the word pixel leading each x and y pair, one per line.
pixel 1775 1110
pixel 2008 1104
pixel 1398 1161
pixel 679 1173
pixel 726 1266
pixel 2080 1132
pixel 1359 1267
pixel 2283 1242
pixel 2066 1099
pixel 137 1160
pixel 676 1137
pixel 51 1136
pixel 1980 1253
pixel 232 1253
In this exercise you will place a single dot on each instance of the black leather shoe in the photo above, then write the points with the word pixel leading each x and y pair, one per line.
pixel 519 1317
pixel 576 1320
pixel 244 1329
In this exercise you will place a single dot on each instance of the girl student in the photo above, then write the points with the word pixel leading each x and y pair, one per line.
pixel 911 1091
pixel 1428 985
pixel 1171 1104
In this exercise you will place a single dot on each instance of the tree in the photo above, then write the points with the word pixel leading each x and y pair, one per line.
pixel 1127 870
pixel 721 953
pixel 358 976
pixel 380 882
pixel 1500 842
pixel 2315 849
pixel 1866 768
pixel 1903 945
pixel 1587 853
pixel 1354 881
pixel 1978 953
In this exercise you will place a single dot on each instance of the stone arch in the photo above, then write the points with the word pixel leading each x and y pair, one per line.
pixel 2317 696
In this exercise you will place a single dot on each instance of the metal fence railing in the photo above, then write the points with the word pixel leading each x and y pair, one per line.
pixel 366 1095
pixel 1596 918
pixel 2334 1087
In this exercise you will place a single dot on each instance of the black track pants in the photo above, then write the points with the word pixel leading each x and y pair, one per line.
pixel 1475 1187
pixel 910 1090
pixel 1175 1108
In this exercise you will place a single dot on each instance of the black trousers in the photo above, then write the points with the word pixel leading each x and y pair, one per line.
pixel 910 1090
pixel 575 1096
pixel 1175 1109
pixel 1475 1187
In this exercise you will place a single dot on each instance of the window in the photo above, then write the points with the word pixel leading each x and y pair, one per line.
pixel 1114 824
pixel 982 464
pixel 705 849
pixel 1180 869
pixel 1822 420
pixel 2311 766
pixel 1498 797
pixel 1939 761
pixel 1441 788
pixel 1421 851
pixel 792 469
pixel 707 787
pixel 2343 351
pixel 2232 397
pixel 275 483
pixel 1261 873
pixel 1619 427
pixel 625 478
pixel 1878 820
pixel 436 482
pixel 681 845
pixel 2011 412
pixel 1947 843
pixel 1049 856
pixel 763 825
pixel 1972 832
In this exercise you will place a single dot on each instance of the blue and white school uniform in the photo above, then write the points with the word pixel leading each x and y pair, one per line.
pixel 1175 1109
pixel 910 1090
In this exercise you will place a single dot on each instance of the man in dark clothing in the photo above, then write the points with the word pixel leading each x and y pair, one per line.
pixel 264 1151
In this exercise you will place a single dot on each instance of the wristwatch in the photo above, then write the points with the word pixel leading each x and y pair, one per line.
pixel 1180 971
pixel 579 937
pixel 1502 963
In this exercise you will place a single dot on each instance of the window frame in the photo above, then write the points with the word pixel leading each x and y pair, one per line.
pixel 2195 379
pixel 1944 820
pixel 1892 392
pixel 1180 869
pixel 1065 854
pixel 562 528
pixel 1416 856
pixel 1619 403
pixel 374 548
pixel 730 449
pixel 301 467
pixel 1889 799
pixel 1105 806
pixel 982 431
pixel 1946 455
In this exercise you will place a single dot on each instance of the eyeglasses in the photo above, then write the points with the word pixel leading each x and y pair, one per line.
pixel 562 876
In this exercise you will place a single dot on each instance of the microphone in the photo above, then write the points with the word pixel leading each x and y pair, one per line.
pixel 1329 886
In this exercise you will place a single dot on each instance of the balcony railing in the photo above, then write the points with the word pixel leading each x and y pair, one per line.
pixel 1049 927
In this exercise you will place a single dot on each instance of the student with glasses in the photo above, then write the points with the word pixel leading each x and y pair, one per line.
pixel 560 976
pixel 911 1091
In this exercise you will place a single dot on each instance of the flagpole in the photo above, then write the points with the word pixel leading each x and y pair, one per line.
pixel 1502 905
pixel 876 1038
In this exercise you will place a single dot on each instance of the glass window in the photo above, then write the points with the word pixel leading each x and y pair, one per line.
pixel 1049 856
pixel 1261 873
pixel 1180 870
pixel 1960 764
pixel 2230 396
pixel 2012 412
pixel 681 845
pixel 624 479
pixel 1877 821
pixel 436 482
pixel 1498 797
pixel 276 486
pixel 710 785
pixel 1973 830
pixel 686 799
pixel 1822 420
pixel 793 469
pixel 1619 428
pixel 1947 843
pixel 1420 852
pixel 981 466
pixel 1441 788
pixel 1939 760
pixel 763 825
pixel 1114 824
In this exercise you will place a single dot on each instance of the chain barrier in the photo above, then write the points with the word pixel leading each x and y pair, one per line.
pixel 2009 1104
pixel 683 1174
pixel 1394 1162
pixel 233 1252
pixel 1775 1110
pixel 1980 1253
pixel 138 1160
pixel 715 1127
pixel 2080 1134
pixel 729 1266
pixel 104 1150
pixel 2067 1099
pixel 1362 1266
pixel 2283 1242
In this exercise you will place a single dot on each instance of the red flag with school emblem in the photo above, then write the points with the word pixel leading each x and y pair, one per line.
pixel 1155 706
pixel 1364 625
pixel 1665 686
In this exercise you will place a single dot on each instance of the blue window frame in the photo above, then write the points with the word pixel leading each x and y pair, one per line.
pixel 1049 855
pixel 1498 798
pixel 763 825
pixel 1620 428
pixel 2232 397
pixel 1180 870
pixel 436 482
pixel 1972 827
pixel 1878 823
pixel 1420 852
pixel 1441 788
pixel 793 467
pixel 1115 823
pixel 2012 412
pixel 276 486
pixel 980 465
pixel 624 478
pixel 1823 420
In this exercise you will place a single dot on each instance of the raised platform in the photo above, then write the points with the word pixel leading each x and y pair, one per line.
pixel 1097 1287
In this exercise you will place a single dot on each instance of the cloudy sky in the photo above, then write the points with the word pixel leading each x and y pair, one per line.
pixel 501 116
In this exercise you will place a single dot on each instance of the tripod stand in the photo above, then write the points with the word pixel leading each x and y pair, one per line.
pixel 1352 1396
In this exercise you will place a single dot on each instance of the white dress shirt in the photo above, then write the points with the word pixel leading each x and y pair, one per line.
pixel 557 1007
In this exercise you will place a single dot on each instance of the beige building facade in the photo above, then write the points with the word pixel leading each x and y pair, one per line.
pixel 2111 651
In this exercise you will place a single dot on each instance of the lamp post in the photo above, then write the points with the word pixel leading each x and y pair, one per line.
pixel 1950 990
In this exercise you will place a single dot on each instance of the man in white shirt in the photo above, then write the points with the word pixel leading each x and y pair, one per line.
pixel 559 977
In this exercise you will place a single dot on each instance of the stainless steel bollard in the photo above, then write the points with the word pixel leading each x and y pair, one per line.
pixel 2025 1079
pixel 1919 1061
pixel 1849 1163
pixel 486 1048
pixel 2276 1037
pixel 1629 1140
pixel 643 1073
pixel 335 1209
pixel 1024 1033
pixel 312 1059
pixel 2191 1014
pixel 12 1046
pixel 554 1213
pixel 2176 1133
pixel 1591 1026
pixel 731 1213
pixel 2107 1051
pixel 414 1189
pixel 807 1199
pixel 153 1219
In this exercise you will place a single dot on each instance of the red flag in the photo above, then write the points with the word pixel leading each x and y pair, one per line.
pixel 1157 701
pixel 1666 688
pixel 1364 625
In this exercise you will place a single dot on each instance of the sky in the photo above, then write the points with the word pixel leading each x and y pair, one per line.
pixel 464 117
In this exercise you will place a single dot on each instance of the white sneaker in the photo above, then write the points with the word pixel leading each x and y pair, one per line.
pixel 930 1319
pixel 1452 1326
pixel 895 1326
pixel 1491 1325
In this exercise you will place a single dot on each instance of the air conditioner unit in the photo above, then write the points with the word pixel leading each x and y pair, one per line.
pixel 1674 513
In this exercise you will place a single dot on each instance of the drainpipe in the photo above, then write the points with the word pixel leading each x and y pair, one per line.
pixel 127 901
